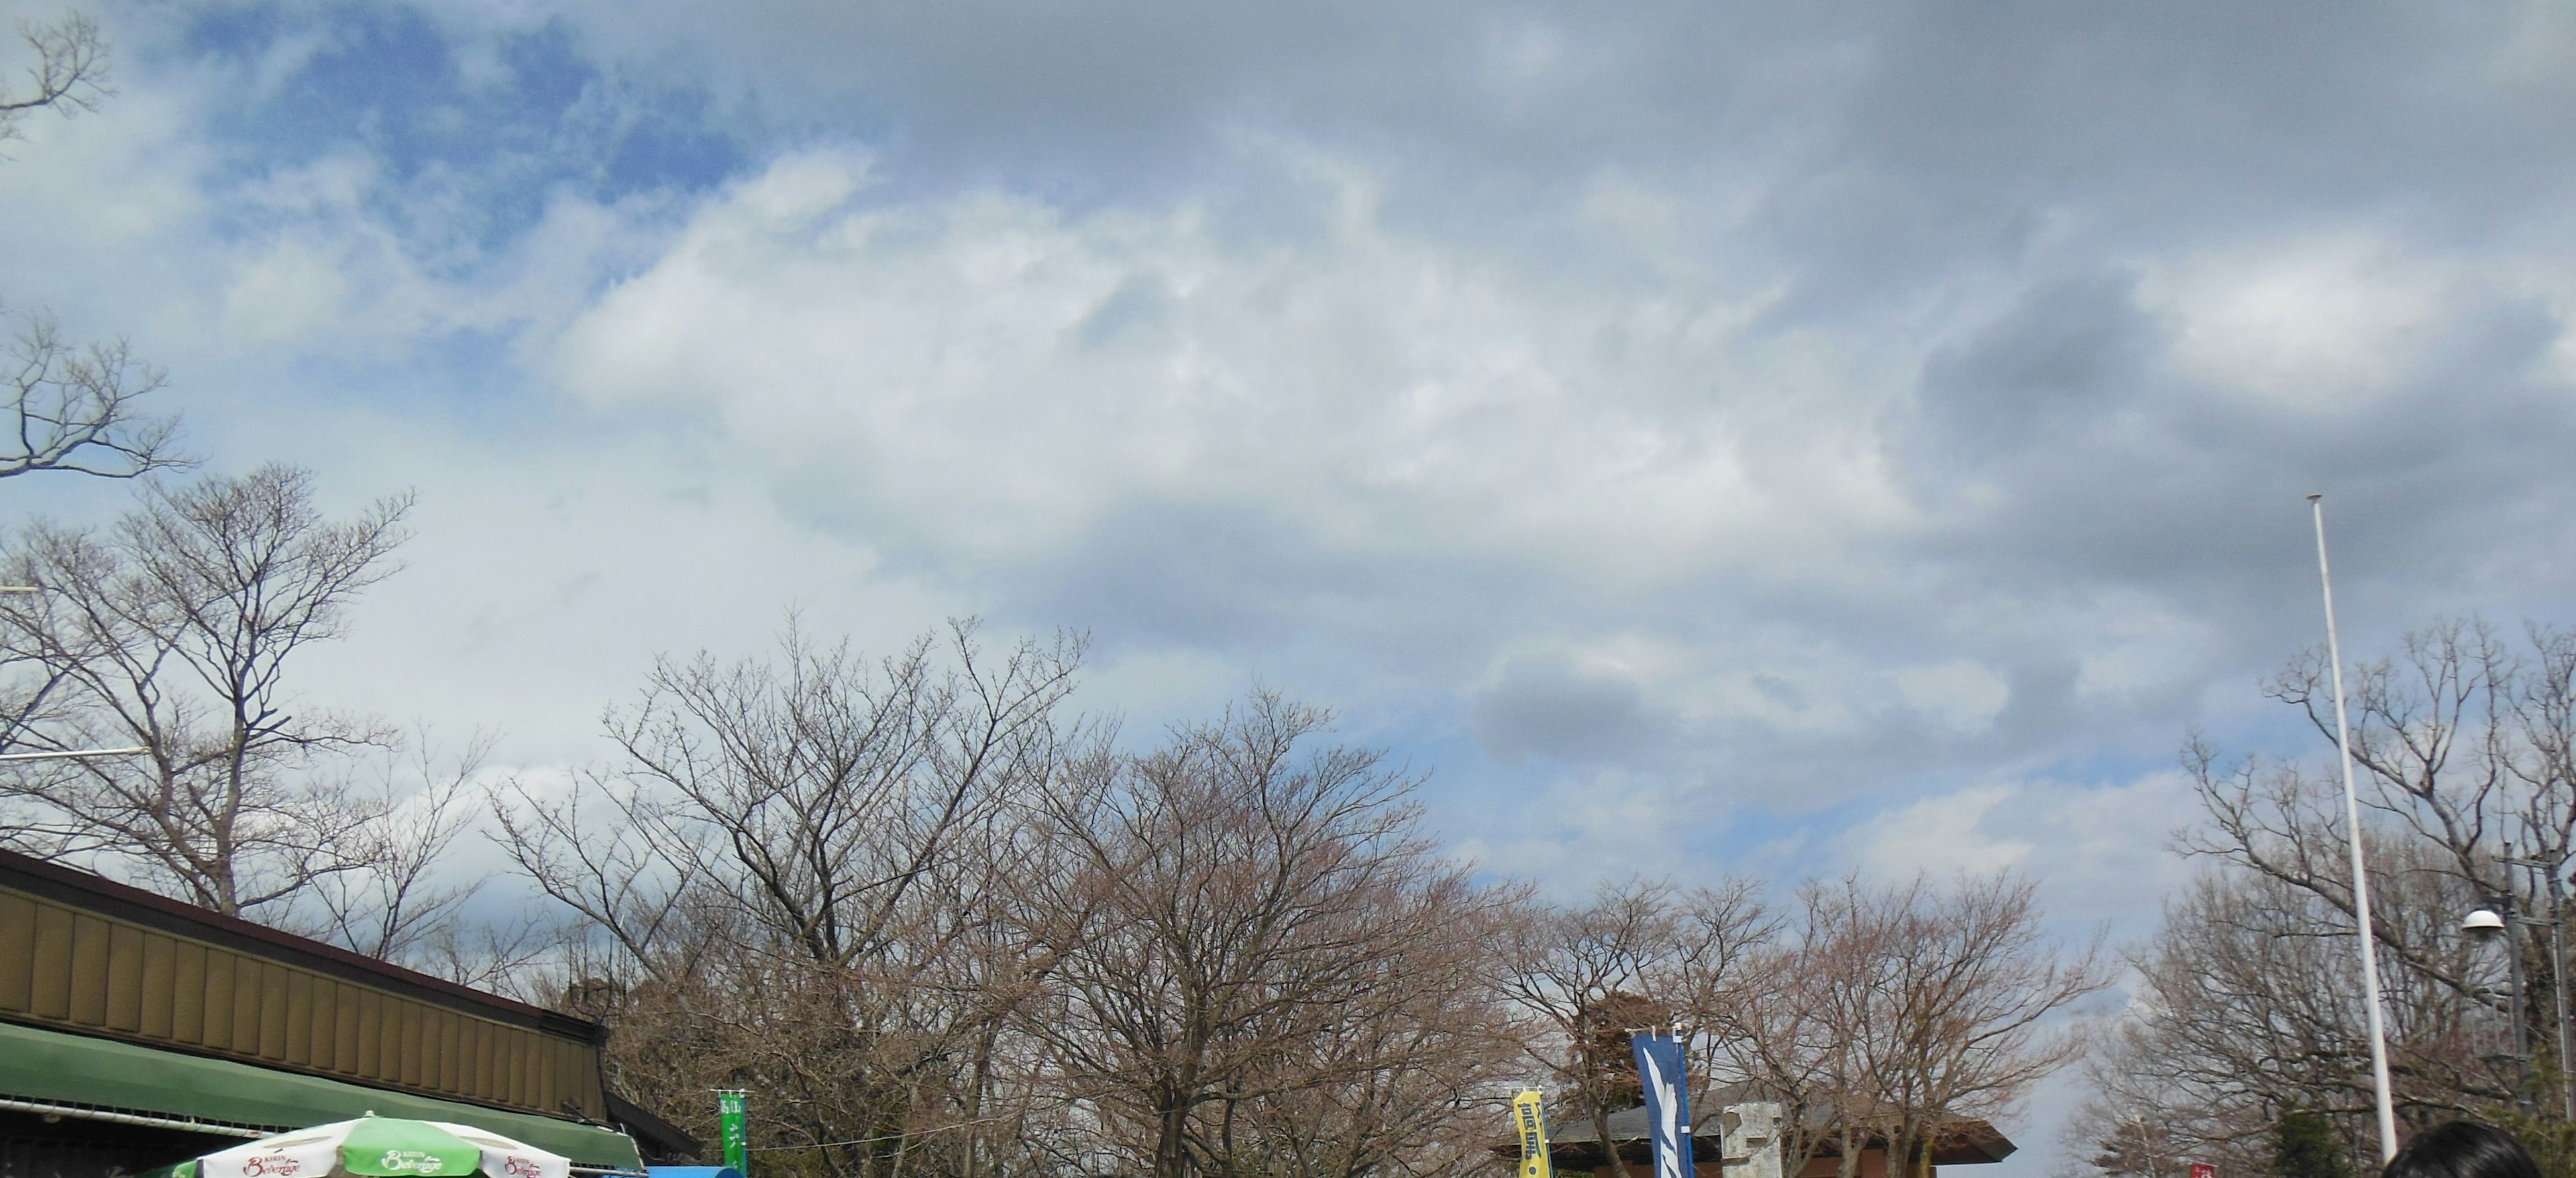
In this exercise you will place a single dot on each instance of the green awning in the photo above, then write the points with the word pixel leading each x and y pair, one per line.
pixel 53 1067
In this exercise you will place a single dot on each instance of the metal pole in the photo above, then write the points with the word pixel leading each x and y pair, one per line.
pixel 2547 871
pixel 2558 992
pixel 2387 1107
pixel 2513 978
pixel 78 753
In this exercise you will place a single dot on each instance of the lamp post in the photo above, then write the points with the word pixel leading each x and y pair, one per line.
pixel 2495 921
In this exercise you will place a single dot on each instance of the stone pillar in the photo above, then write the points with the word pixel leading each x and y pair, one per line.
pixel 1752 1140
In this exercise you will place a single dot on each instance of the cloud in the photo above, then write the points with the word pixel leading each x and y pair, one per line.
pixel 1943 835
pixel 2101 849
pixel 1706 438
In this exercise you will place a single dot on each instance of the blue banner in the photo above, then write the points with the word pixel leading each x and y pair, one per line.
pixel 1659 1065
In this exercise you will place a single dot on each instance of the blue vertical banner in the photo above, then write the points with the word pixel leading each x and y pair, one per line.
pixel 1659 1065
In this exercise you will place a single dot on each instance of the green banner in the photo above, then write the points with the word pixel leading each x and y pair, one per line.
pixel 733 1116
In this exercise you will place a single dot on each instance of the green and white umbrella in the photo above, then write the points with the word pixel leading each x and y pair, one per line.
pixel 380 1147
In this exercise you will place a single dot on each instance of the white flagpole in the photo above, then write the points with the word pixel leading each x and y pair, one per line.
pixel 2360 879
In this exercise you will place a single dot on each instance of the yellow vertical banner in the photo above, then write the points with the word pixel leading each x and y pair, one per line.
pixel 1531 1121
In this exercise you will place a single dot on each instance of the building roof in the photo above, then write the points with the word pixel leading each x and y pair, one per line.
pixel 92 957
pixel 94 893
pixel 1574 1142
pixel 84 1077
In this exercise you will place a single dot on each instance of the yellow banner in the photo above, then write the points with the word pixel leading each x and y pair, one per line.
pixel 1531 1121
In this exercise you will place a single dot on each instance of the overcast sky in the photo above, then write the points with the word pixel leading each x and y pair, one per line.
pixel 1707 437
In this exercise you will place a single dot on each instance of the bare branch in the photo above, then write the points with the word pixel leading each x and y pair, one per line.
pixel 70 74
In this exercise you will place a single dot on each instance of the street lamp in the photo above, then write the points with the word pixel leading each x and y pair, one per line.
pixel 2495 924
pixel 2488 924
pixel 2495 921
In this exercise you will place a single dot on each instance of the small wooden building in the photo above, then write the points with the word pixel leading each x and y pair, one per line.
pixel 136 1030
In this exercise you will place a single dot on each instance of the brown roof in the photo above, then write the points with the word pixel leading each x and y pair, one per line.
pixel 1574 1144
pixel 94 893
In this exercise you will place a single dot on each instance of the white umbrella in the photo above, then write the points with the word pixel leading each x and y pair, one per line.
pixel 380 1147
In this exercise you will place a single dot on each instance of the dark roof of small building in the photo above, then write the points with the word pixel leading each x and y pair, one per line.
pixel 1574 1141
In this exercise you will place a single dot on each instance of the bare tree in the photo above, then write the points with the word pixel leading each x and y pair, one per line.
pixel 2249 1010
pixel 1962 1004
pixel 174 631
pixel 70 74
pixel 1263 967
pixel 1640 953
pixel 401 905
pixel 1789 1032
pixel 75 407
pixel 79 409
pixel 2462 745
pixel 800 866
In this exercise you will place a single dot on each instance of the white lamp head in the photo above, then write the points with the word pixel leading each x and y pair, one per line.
pixel 2482 923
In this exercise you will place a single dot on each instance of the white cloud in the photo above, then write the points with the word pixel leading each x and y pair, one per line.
pixel 996 374
pixel 1962 695
pixel 2305 323
pixel 2102 851
pixel 1943 835
pixel 1763 423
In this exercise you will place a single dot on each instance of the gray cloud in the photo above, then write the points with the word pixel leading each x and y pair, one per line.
pixel 1774 422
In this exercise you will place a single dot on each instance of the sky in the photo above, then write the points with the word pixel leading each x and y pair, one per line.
pixel 1703 437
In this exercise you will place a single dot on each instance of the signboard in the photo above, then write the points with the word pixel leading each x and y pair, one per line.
pixel 1659 1066
pixel 733 1122
pixel 2203 1170
pixel 1529 1122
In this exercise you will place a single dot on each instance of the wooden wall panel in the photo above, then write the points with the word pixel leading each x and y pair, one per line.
pixel 273 1020
pixel 188 993
pixel 124 978
pixel 60 965
pixel 52 988
pixel 371 1033
pixel 344 1032
pixel 89 970
pixel 160 969
pixel 17 951
pixel 246 1002
pixel 295 1030
pixel 219 1001
pixel 408 1069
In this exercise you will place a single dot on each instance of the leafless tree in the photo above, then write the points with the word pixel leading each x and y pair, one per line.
pixel 1263 967
pixel 1873 1015
pixel 800 866
pixel 1640 953
pixel 70 74
pixel 75 407
pixel 402 905
pixel 1961 1010
pixel 1577 980
pixel 79 409
pixel 174 631
pixel 1788 1033
pixel 2461 742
